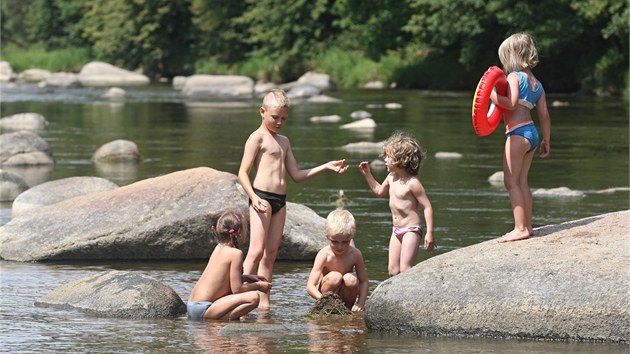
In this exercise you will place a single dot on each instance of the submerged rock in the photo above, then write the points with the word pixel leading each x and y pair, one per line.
pixel 117 294
pixel 570 282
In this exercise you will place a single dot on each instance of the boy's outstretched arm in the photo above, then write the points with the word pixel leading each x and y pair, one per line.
pixel 302 175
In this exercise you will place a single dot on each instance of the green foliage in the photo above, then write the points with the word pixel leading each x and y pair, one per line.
pixel 150 34
pixel 288 32
pixel 66 59
pixel 216 32
pixel 433 44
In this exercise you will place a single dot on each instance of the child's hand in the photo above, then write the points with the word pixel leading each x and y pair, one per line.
pixel 429 242
pixel 544 149
pixel 263 286
pixel 337 166
pixel 364 167
pixel 357 308
pixel 259 204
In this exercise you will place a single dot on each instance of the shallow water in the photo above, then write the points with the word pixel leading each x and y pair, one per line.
pixel 589 136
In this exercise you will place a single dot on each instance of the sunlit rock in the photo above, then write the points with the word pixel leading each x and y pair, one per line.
pixel 6 72
pixel 34 75
pixel 445 155
pixel 367 123
pixel 325 119
pixel 207 86
pixel 23 121
pixel 62 79
pixel 393 105
pixel 52 192
pixel 569 282
pixel 496 179
pixel 118 151
pixel 358 115
pixel 24 148
pixel 560 192
pixel 364 147
pixel 115 93
pixel 166 217
pixel 104 74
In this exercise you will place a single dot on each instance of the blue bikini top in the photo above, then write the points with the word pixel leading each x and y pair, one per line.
pixel 526 96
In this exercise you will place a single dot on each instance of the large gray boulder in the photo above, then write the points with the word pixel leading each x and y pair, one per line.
pixel 570 282
pixel 165 217
pixel 119 294
pixel 24 148
pixel 104 74
pixel 52 192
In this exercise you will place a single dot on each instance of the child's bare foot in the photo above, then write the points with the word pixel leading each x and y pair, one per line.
pixel 514 235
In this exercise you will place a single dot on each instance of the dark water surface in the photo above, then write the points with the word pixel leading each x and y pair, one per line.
pixel 589 154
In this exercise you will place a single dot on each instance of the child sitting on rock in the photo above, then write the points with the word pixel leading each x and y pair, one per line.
pixel 223 291
pixel 334 266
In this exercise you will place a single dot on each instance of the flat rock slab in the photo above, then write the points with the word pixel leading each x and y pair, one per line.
pixel 118 294
pixel 570 282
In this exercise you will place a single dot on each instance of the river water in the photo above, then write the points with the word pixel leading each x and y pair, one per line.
pixel 589 156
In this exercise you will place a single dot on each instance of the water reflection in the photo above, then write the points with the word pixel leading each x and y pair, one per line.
pixel 33 175
pixel 121 173
pixel 338 334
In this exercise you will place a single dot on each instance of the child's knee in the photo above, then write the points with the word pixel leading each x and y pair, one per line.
pixel 253 297
pixel 350 280
pixel 332 280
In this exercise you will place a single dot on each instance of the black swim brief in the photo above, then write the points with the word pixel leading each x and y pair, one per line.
pixel 277 201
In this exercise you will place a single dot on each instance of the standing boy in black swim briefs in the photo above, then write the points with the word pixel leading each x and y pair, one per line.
pixel 269 153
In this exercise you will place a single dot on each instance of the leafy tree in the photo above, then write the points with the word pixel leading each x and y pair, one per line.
pixel 217 34
pixel 154 35
pixel 288 32
pixel 475 29
pixel 373 27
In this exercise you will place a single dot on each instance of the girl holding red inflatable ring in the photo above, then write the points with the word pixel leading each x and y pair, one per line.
pixel 518 55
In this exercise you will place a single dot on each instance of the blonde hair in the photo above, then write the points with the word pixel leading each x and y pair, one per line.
pixel 340 222
pixel 404 151
pixel 518 52
pixel 230 224
pixel 275 98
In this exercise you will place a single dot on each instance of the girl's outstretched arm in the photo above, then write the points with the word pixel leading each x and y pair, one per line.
pixel 380 190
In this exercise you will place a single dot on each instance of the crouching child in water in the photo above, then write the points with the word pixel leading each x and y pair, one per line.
pixel 223 291
pixel 334 266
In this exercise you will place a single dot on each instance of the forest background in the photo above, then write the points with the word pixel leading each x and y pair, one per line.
pixel 421 44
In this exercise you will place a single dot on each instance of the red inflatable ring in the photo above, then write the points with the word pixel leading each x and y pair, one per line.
pixel 486 116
